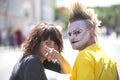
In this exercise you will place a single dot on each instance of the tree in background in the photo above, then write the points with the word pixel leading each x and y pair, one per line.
pixel 108 15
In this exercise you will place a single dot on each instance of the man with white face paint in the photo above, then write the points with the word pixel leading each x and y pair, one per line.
pixel 91 62
pixel 78 34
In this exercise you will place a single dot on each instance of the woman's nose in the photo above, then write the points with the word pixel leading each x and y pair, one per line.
pixel 51 45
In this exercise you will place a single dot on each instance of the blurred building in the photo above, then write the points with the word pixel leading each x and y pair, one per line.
pixel 17 13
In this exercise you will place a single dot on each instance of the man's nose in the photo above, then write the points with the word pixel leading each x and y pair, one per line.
pixel 72 37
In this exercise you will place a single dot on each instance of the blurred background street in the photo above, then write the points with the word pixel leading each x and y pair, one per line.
pixel 9 56
pixel 18 17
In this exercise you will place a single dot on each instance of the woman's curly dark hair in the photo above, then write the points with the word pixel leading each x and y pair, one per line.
pixel 42 32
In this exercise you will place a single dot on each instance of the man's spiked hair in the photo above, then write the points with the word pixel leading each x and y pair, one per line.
pixel 78 11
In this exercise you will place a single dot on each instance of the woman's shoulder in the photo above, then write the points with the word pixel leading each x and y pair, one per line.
pixel 31 56
pixel 31 59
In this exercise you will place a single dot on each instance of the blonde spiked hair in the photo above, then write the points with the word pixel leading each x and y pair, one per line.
pixel 78 11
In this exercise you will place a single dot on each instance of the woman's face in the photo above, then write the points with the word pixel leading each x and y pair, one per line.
pixel 49 43
pixel 78 34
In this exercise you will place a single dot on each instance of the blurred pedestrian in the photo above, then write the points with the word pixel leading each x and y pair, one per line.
pixel 43 42
pixel 91 62
pixel 18 37
pixel 117 29
pixel 4 37
pixel 11 37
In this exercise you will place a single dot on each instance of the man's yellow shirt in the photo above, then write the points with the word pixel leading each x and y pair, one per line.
pixel 92 64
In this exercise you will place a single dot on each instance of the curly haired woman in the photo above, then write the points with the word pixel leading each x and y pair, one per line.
pixel 43 42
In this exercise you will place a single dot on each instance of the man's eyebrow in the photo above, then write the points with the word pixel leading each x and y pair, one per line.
pixel 77 30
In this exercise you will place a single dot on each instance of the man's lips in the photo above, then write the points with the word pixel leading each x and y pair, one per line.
pixel 74 42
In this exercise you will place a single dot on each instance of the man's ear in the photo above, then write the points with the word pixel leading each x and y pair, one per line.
pixel 92 31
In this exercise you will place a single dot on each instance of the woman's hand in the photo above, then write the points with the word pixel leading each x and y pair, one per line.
pixel 51 53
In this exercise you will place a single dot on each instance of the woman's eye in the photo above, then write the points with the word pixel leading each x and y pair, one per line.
pixel 46 42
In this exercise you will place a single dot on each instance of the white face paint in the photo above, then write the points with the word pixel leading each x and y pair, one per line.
pixel 78 34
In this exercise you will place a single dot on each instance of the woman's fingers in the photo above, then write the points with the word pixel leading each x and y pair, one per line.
pixel 51 53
